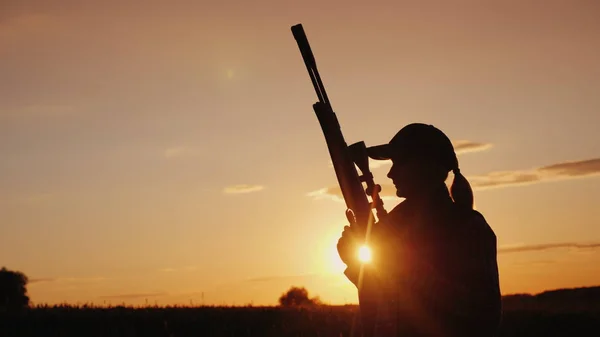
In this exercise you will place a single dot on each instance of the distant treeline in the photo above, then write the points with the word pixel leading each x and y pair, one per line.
pixel 560 300
pixel 566 312
pixel 322 321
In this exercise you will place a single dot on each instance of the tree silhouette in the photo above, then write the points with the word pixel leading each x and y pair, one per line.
pixel 297 296
pixel 13 290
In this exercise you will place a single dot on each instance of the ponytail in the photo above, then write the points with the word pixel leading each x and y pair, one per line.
pixel 461 191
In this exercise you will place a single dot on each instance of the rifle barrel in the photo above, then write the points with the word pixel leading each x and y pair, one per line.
pixel 309 61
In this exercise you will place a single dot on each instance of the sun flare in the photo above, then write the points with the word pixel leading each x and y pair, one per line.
pixel 364 254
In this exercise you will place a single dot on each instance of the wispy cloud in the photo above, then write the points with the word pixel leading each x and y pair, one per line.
pixel 81 279
pixel 242 188
pixel 167 270
pixel 373 164
pixel 465 146
pixel 460 147
pixel 559 171
pixel 335 193
pixel 573 168
pixel 135 295
pixel 535 263
pixel 548 246
pixel 41 280
pixel 503 179
pixel 326 193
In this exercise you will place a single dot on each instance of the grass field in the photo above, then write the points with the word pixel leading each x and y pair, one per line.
pixel 258 321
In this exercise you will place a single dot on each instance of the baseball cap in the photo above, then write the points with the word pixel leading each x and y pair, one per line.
pixel 417 140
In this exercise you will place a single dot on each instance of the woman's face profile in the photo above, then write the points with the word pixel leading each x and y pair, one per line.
pixel 410 177
pixel 402 174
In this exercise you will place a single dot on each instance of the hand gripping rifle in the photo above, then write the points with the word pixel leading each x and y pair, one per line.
pixel 345 160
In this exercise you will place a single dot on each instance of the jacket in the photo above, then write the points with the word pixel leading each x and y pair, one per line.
pixel 433 272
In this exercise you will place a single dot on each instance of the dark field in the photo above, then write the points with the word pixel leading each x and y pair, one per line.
pixel 521 318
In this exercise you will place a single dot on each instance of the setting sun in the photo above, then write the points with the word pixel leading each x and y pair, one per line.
pixel 364 254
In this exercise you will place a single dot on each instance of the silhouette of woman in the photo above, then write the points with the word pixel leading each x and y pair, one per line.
pixel 433 270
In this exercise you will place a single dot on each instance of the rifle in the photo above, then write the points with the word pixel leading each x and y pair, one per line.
pixel 345 158
pixel 345 161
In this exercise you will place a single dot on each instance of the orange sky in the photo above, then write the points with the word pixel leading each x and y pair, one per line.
pixel 168 151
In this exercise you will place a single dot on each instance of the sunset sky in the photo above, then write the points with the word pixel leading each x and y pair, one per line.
pixel 167 151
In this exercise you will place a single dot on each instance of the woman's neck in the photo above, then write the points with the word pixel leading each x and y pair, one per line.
pixel 427 196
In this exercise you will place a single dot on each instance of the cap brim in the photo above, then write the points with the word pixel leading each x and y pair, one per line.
pixel 380 152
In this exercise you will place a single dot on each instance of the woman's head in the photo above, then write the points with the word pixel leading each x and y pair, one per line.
pixel 422 156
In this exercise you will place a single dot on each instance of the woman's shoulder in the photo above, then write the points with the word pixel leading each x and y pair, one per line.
pixel 473 223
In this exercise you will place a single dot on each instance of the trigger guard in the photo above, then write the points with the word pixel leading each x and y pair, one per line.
pixel 350 216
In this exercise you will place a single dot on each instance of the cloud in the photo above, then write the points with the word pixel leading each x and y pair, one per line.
pixel 326 193
pixel 42 280
pixel 574 168
pixel 504 178
pixel 535 263
pixel 465 146
pixel 167 270
pixel 388 192
pixel 81 279
pixel 373 164
pixel 242 188
pixel 559 171
pixel 460 147
pixel 134 296
pixel 547 246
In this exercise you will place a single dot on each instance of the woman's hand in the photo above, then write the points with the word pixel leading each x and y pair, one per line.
pixel 347 246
